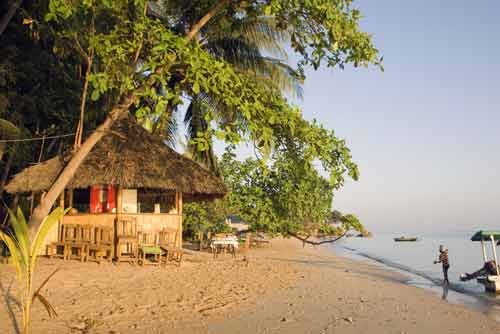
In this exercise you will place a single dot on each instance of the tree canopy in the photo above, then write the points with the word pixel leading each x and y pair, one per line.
pixel 147 57
pixel 254 110
pixel 286 196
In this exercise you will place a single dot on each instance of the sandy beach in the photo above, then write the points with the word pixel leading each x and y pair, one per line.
pixel 282 289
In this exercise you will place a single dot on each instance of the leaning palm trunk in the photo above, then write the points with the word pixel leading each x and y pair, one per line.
pixel 24 254
pixel 119 111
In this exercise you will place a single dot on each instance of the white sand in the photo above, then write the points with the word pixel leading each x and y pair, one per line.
pixel 284 289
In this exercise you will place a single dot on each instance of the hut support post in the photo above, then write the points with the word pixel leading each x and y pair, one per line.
pixel 484 251
pixel 178 196
pixel 119 211
pixel 248 240
pixel 119 200
pixel 60 222
pixel 494 253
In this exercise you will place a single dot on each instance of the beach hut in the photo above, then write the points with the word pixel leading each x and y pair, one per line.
pixel 129 176
pixel 236 223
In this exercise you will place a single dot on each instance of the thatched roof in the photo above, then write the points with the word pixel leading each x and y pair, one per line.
pixel 131 157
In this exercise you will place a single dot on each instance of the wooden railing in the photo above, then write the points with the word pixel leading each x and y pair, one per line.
pixel 147 222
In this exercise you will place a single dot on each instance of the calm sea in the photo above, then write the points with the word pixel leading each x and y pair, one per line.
pixel 415 259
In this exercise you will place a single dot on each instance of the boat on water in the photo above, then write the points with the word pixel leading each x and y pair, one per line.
pixel 403 238
pixel 491 282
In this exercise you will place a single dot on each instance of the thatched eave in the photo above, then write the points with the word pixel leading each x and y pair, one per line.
pixel 128 156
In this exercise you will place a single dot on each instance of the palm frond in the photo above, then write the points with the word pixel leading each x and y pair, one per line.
pixel 195 122
pixel 166 127
pixel 44 228
pixel 15 255
pixel 20 235
pixel 8 130
pixel 253 45
pixel 264 34
pixel 48 307
pixel 248 59
pixel 235 51
pixel 279 76
pixel 24 254
pixel 50 310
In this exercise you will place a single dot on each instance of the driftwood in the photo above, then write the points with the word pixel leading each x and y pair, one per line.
pixel 305 240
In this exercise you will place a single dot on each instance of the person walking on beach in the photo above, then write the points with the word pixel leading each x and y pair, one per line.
pixel 443 259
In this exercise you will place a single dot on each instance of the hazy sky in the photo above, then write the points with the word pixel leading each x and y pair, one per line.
pixel 425 133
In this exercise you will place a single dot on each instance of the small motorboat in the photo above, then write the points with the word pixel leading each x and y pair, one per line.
pixel 491 282
pixel 402 238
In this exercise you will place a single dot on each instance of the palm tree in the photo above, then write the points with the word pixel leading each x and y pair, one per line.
pixel 253 45
pixel 24 255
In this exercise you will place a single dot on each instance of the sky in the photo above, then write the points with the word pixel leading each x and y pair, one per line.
pixel 426 132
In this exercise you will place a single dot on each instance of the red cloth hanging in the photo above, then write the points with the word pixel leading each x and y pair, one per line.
pixel 95 204
pixel 111 199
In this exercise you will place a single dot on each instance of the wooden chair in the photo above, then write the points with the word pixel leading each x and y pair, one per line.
pixel 126 240
pixel 168 240
pixel 103 245
pixel 87 239
pixel 77 241
pixel 148 246
pixel 53 248
pixel 71 238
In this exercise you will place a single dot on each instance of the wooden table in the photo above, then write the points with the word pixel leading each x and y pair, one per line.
pixel 230 242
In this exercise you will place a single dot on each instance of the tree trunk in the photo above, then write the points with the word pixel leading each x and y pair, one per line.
pixel 83 101
pixel 118 111
pixel 204 20
pixel 9 14
pixel 43 209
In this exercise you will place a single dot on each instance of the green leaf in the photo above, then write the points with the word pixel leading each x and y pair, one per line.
pixel 196 88
pixel 44 228
pixel 95 95
pixel 20 232
pixel 17 258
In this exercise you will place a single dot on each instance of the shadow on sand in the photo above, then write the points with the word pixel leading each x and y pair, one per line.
pixel 11 302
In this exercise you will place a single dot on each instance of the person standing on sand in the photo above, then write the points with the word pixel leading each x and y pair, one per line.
pixel 443 258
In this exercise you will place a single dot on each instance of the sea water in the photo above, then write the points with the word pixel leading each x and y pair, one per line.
pixel 416 260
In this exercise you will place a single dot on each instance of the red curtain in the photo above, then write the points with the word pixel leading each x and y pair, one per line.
pixel 111 198
pixel 95 204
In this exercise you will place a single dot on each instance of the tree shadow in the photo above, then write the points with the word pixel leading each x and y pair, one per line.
pixel 10 302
